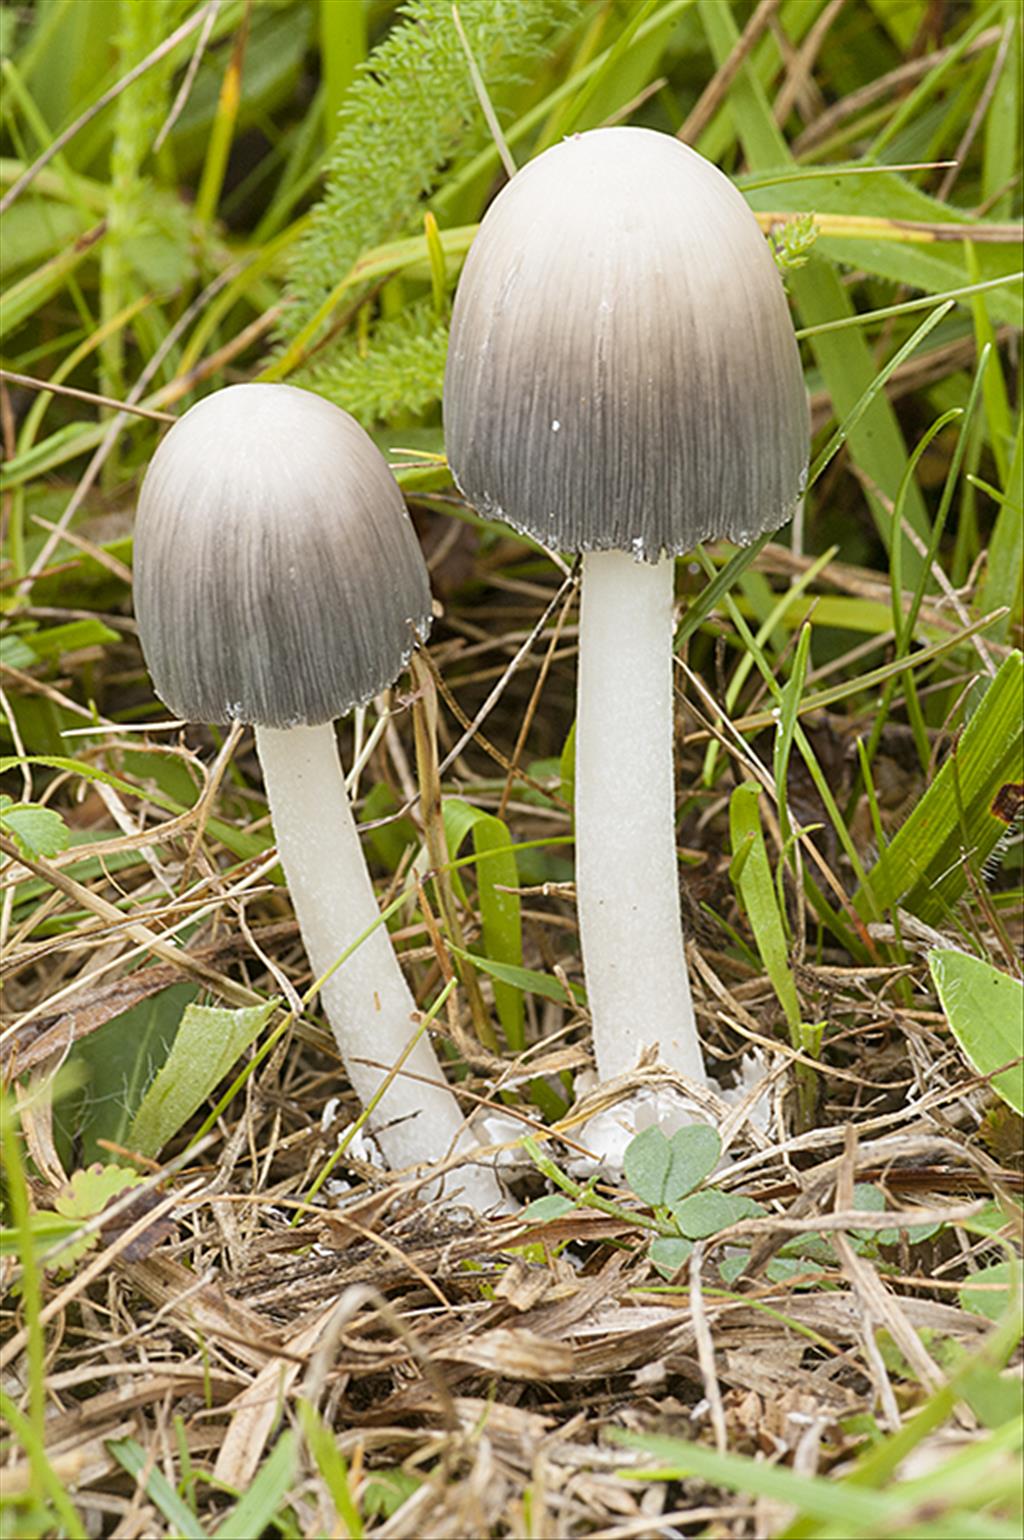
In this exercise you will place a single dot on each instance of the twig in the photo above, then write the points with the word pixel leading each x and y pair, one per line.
pixel 185 89
pixel 978 115
pixel 800 69
pixel 717 89
pixel 706 1350
pixel 83 395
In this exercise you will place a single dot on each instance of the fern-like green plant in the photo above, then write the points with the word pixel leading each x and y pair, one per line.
pixel 402 369
pixel 410 120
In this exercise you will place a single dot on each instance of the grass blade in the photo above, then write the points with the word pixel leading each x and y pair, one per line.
pixel 133 1458
pixel 752 875
pixel 958 819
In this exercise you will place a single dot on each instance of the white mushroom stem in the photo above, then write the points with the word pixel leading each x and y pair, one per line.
pixel 366 999
pixel 627 879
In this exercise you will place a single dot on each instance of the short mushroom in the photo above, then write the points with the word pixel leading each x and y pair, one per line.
pixel 278 582
pixel 623 381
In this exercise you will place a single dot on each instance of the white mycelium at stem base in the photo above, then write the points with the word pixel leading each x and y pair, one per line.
pixel 627 880
pixel 366 999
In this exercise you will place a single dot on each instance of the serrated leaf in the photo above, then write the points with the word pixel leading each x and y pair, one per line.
pixel 37 831
pixel 85 1195
pixel 705 1213
pixel 87 1192
pixel 985 1011
pixel 406 116
pixel 661 1170
pixel 208 1042
pixel 402 369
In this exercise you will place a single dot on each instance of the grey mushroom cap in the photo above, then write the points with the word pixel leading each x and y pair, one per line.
pixel 622 372
pixel 277 576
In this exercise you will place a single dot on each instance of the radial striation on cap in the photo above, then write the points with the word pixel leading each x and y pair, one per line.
pixel 277 579
pixel 622 372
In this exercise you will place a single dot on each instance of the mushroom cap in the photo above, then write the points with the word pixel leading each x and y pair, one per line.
pixel 622 372
pixel 277 575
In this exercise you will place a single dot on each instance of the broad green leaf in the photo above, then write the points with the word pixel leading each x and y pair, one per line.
pixel 985 1011
pixel 646 1165
pixel 871 1199
pixel 994 1398
pixel 668 1253
pixel 705 1213
pixel 27 647
pixel 37 831
pixel 660 1169
pixel 15 651
pixel 1002 123
pixel 891 200
pixel 393 838
pixel 957 819
pixel 208 1042
pixel 118 1061
pixel 552 1206
pixel 387 1490
pixel 988 1292
pixel 752 876
pixel 500 911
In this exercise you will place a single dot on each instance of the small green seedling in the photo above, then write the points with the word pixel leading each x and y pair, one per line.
pixel 36 830
pixel 667 1174
pixel 86 1195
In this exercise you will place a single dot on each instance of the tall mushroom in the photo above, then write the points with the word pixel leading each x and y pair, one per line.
pixel 278 582
pixel 623 381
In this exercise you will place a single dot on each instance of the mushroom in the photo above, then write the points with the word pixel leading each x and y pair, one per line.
pixel 278 582
pixel 623 381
